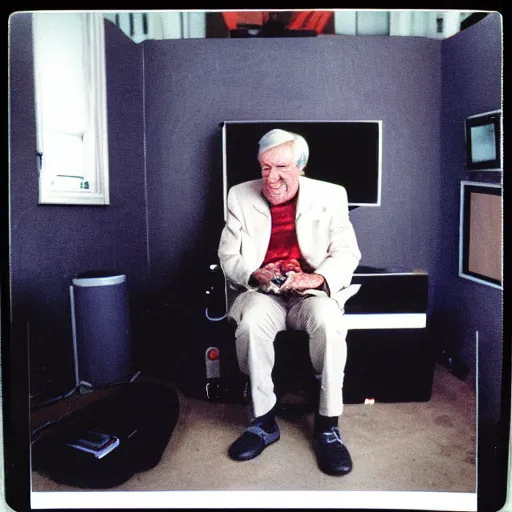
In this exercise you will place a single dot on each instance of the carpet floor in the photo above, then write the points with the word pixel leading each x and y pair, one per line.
pixel 418 446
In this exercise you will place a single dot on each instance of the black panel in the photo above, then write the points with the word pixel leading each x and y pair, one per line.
pixel 389 293
pixel 389 365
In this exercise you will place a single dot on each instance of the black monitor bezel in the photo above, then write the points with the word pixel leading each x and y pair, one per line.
pixel 289 124
pixel 493 118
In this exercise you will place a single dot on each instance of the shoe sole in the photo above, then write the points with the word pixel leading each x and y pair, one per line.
pixel 332 472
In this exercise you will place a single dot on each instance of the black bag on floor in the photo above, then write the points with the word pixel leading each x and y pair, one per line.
pixel 141 416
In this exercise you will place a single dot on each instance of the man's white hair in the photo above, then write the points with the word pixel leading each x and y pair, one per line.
pixel 276 137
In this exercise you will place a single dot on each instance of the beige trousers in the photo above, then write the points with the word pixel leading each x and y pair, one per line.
pixel 259 317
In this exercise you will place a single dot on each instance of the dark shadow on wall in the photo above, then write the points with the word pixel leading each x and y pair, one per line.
pixel 447 333
pixel 50 349
pixel 174 313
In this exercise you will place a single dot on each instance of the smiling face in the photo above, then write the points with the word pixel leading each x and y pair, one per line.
pixel 280 173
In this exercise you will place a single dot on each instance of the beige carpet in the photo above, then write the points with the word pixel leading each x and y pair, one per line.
pixel 427 446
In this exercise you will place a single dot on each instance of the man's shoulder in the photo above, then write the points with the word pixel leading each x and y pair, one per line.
pixel 322 187
pixel 247 187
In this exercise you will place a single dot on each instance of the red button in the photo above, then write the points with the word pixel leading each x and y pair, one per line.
pixel 213 354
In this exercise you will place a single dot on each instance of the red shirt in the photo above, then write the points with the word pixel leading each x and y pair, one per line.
pixel 283 243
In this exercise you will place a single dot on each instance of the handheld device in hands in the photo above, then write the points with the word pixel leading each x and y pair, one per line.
pixel 279 280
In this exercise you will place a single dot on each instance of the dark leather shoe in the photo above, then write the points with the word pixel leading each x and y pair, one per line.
pixel 253 441
pixel 332 455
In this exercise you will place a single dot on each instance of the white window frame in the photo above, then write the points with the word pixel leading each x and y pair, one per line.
pixel 95 139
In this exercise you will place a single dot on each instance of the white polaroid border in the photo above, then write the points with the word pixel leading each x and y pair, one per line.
pixel 373 500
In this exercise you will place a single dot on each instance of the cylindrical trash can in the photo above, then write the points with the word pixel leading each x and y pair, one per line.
pixel 101 329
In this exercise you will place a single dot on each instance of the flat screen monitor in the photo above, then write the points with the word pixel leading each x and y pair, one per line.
pixel 480 244
pixel 346 153
pixel 483 142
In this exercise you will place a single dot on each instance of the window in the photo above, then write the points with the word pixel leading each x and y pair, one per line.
pixel 71 118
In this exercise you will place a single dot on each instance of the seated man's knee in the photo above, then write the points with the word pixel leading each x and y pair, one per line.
pixel 324 313
pixel 258 313
pixel 250 317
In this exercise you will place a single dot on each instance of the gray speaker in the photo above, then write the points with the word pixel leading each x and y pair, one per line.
pixel 100 316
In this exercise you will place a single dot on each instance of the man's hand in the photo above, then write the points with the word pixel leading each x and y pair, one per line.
pixel 302 281
pixel 263 276
pixel 296 280
pixel 291 265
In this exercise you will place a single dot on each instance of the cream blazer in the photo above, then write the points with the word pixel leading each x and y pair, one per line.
pixel 324 232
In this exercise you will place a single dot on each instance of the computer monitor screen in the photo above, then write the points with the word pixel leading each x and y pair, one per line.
pixel 347 153
pixel 483 138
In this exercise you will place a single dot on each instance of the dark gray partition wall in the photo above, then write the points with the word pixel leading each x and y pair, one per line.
pixel 471 64
pixel 51 244
pixel 193 85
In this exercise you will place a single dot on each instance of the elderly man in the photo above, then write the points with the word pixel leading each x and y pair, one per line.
pixel 288 248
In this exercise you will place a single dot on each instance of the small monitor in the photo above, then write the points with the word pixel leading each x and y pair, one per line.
pixel 483 142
